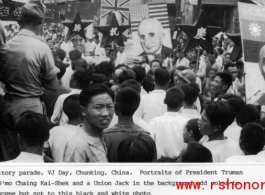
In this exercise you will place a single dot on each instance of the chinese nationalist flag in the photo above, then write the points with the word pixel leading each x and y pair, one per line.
pixel 252 25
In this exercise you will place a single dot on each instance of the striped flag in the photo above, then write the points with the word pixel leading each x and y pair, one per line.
pixel 155 10
pixel 109 6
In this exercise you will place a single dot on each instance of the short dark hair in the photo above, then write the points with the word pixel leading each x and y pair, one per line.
pixel 75 54
pixel 249 113
pixel 61 54
pixel 127 100
pixel 83 76
pixel 174 97
pixel 126 75
pixel 71 106
pixel 226 77
pixel 140 148
pixel 28 18
pixel 33 128
pixel 146 58
pixel 131 83
pixel 99 78
pixel 162 76
pixel 93 90
pixel 227 54
pixel 239 63
pixel 148 83
pixel 220 114
pixel 228 65
pixel 49 39
pixel 192 125
pixel 158 61
pixel 79 63
pixel 236 102
pixel 140 73
pixel 196 153
pixel 220 50
pixel 105 68
pixel 252 138
pixel 191 91
pixel 62 68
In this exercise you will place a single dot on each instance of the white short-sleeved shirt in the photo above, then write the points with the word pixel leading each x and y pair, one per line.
pixel 59 136
pixel 152 105
pixel 168 134
pixel 223 149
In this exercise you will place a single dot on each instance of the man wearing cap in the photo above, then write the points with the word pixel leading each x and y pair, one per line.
pixel 29 67
pixel 186 76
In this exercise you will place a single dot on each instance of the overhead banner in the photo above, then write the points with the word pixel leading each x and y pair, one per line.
pixel 10 13
pixel 252 27
pixel 53 12
pixel 86 10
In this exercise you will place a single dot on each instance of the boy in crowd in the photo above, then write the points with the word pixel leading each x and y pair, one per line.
pixel 33 131
pixel 97 108
pixel 126 103
pixel 191 132
pixel 60 135
pixel 79 80
pixel 216 117
pixel 168 128
pixel 251 142
pixel 191 92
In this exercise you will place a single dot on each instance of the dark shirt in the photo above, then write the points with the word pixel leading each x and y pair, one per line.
pixel 116 134
pixel 51 97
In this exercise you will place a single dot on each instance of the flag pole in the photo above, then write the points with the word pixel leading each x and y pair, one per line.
pixel 198 59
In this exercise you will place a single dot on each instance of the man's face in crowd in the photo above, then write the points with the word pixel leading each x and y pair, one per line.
pixel 233 71
pixel 181 55
pixel 50 44
pixel 205 126
pixel 154 66
pixel 121 49
pixel 99 112
pixel 212 74
pixel 227 57
pixel 217 85
pixel 193 67
pixel 185 135
pixel 150 36
pixel 240 70
pixel 178 81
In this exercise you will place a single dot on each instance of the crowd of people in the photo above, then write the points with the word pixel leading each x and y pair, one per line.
pixel 60 104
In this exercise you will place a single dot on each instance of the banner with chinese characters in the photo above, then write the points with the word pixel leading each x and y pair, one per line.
pixel 150 29
pixel 53 12
pixel 10 13
pixel 252 27
pixel 86 10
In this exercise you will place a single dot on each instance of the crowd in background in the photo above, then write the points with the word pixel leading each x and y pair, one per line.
pixel 91 104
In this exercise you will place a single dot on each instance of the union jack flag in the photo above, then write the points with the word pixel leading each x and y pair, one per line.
pixel 122 6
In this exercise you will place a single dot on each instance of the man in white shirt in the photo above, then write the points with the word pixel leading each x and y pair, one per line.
pixel 33 131
pixel 152 104
pixel 121 57
pixel 182 61
pixel 60 135
pixel 251 142
pixel 219 59
pixel 79 81
pixel 191 92
pixel 168 128
pixel 216 117
pixel 232 69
